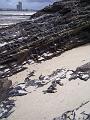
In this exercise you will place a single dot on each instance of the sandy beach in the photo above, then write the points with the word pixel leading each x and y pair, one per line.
pixel 39 106
pixel 45 61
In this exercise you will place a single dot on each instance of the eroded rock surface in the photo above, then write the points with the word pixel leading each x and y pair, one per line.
pixel 51 31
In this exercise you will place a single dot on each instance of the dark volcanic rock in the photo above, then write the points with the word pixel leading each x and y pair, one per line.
pixel 52 30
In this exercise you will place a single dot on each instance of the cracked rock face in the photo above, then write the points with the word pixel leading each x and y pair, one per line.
pixel 51 31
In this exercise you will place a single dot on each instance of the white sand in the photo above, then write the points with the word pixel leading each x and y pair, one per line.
pixel 39 106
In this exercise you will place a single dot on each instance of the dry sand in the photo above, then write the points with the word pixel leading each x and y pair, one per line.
pixel 39 106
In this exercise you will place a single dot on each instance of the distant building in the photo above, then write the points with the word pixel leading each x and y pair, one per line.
pixel 19 6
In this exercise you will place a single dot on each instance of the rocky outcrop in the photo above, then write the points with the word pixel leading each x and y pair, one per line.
pixel 48 33
pixel 4 87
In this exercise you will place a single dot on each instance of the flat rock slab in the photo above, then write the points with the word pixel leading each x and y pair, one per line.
pixel 84 68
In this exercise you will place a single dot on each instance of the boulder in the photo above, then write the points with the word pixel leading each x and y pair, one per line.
pixel 4 87
pixel 84 68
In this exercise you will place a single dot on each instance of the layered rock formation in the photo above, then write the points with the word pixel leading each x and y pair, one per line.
pixel 51 31
pixel 54 29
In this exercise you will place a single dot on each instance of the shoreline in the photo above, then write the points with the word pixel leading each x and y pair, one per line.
pixel 8 18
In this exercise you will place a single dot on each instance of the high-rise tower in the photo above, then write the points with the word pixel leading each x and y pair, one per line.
pixel 19 6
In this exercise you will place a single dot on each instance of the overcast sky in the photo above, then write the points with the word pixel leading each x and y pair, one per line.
pixel 29 4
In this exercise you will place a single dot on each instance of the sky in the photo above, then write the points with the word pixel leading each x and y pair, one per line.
pixel 27 4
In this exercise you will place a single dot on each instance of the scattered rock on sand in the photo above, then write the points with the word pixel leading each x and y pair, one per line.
pixel 80 113
pixel 18 90
pixel 6 108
